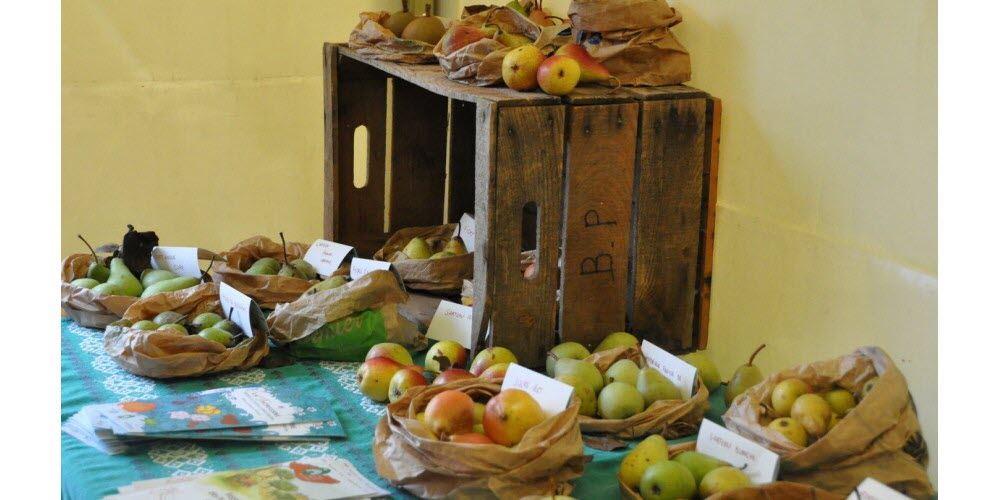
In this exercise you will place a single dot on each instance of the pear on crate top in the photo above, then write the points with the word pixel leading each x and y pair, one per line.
pixel 651 450
pixel 397 21
pixel 97 270
pixel 519 68
pixel 745 377
pixel 591 71
pixel 558 75
pixel 425 28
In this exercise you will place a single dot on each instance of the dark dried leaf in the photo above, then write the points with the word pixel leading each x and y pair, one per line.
pixel 605 443
pixel 137 249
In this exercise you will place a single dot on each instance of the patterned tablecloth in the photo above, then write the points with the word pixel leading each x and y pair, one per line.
pixel 90 376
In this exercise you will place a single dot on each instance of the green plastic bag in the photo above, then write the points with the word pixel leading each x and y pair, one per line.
pixel 347 339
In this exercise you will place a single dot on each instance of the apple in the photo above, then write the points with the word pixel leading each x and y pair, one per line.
pixel 449 413
pixel 509 415
pixel 374 376
pixel 558 75
pixel 472 438
pixel 520 67
pixel 460 36
pixel 495 372
pixel 443 355
pixel 392 351
pixel 403 380
pixel 489 357
pixel 791 429
pixel 451 375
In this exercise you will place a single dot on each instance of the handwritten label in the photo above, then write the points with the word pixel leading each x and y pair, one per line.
pixel 452 321
pixel 182 261
pixel 245 310
pixel 870 489
pixel 679 372
pixel 327 256
pixel 467 225
pixel 361 267
pixel 758 463
pixel 552 395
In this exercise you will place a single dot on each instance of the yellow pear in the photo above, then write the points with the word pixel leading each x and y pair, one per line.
pixel 813 412
pixel 785 393
pixel 841 401
pixel 791 429
pixel 651 450
pixel 617 339
pixel 583 391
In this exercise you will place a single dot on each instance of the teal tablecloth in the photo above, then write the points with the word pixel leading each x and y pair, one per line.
pixel 90 376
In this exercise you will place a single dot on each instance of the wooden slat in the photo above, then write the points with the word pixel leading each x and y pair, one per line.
pixel 462 176
pixel 485 212
pixel 667 224
pixel 595 94
pixel 419 141
pixel 600 166
pixel 665 92
pixel 331 222
pixel 709 196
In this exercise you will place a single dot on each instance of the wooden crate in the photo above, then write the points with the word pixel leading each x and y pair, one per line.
pixel 614 191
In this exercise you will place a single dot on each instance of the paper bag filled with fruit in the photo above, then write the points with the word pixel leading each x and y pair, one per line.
pixel 340 320
pixel 838 421
pixel 430 444
pixel 403 36
pixel 429 258
pixel 183 334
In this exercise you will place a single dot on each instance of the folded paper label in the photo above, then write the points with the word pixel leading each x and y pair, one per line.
pixel 870 489
pixel 452 321
pixel 679 372
pixel 361 267
pixel 758 463
pixel 327 256
pixel 467 230
pixel 245 311
pixel 182 261
pixel 552 395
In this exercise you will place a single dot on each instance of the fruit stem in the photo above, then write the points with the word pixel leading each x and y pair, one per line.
pixel 92 252
pixel 230 316
pixel 283 251
pixel 210 264
pixel 618 84
pixel 406 5
pixel 754 355
pixel 427 10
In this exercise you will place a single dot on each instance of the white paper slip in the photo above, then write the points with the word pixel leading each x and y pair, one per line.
pixel 467 230
pixel 552 395
pixel 452 321
pixel 327 256
pixel 679 372
pixel 182 261
pixel 246 313
pixel 871 489
pixel 758 463
pixel 361 267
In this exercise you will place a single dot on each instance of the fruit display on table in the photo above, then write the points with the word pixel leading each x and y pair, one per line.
pixel 424 28
pixel 421 248
pixel 209 325
pixel 745 376
pixel 805 413
pixel 269 266
pixel 651 471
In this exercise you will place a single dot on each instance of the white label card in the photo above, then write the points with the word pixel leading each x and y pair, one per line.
pixel 758 463
pixel 870 489
pixel 245 310
pixel 452 321
pixel 361 267
pixel 327 256
pixel 552 395
pixel 679 372
pixel 467 230
pixel 182 261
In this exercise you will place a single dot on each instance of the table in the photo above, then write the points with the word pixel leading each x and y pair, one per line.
pixel 90 376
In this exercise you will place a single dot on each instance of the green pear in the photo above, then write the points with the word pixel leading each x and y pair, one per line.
pixel 145 325
pixel 655 387
pixel 651 450
pixel 667 480
pixel 619 400
pixel 745 377
pixel 785 393
pixel 265 266
pixel 305 268
pixel 228 326
pixel 168 317
pixel 287 269
pixel 841 401
pixel 456 246
pixel 723 479
pixel 97 270
pixel 123 277
pixel 152 276
pixel 205 320
pixel 441 255
pixel 617 339
pixel 327 284
pixel 582 391
pixel 85 282
pixel 582 369
pixel 623 370
pixel 108 289
pixel 698 463
pixel 173 326
pixel 417 248
pixel 215 335
pixel 569 350
pixel 707 370
pixel 171 285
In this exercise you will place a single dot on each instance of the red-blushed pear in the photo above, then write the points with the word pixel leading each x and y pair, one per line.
pixel 591 71
pixel 445 354
pixel 495 372
pixel 417 368
pixel 520 67
pixel 460 36
pixel 402 381
pixel 374 376
pixel 558 75
pixel 489 357
pixel 451 375
pixel 472 438
pixel 509 415
pixel 478 409
pixel 449 413
pixel 392 351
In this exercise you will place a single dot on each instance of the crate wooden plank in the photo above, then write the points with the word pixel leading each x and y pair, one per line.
pixel 462 174
pixel 600 167
pixel 588 94
pixel 331 221
pixel 668 220
pixel 485 212
pixel 709 197
pixel 665 92
pixel 431 77
pixel 419 144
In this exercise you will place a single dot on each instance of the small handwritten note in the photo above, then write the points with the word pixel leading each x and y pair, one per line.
pixel 327 256
pixel 452 321
pixel 467 230
pixel 680 373
pixel 870 489
pixel 758 463
pixel 182 261
pixel 361 267
pixel 552 395
pixel 241 305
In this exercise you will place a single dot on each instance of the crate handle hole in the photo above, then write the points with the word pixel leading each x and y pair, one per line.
pixel 360 156
pixel 530 218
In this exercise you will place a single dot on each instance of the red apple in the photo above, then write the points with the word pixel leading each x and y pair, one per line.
pixel 495 372
pixel 402 381
pixel 520 67
pixel 509 415
pixel 489 357
pixel 374 376
pixel 392 351
pixel 472 438
pixel 445 354
pixel 451 375
pixel 460 36
pixel 450 412
pixel 558 75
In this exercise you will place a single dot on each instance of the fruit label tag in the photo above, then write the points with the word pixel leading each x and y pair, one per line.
pixel 467 230
pixel 327 256
pixel 361 267
pixel 552 395
pixel 182 261
pixel 452 321
pixel 758 463
pixel 246 313
pixel 675 369
pixel 870 489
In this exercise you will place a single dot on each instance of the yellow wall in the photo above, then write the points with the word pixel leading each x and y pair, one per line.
pixel 203 120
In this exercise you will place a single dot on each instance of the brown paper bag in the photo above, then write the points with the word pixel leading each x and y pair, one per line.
pixel 369 38
pixel 632 39
pixel 479 63
pixel 410 457
pixel 164 354
pixel 267 291
pixel 87 307
pixel 880 437
pixel 443 276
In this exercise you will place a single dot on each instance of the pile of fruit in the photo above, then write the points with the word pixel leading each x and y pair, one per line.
pixel 420 248
pixel 527 68
pixel 805 413
pixel 208 325
pixel 404 24
pixel 269 266
pixel 503 419
pixel 117 279
pixel 649 471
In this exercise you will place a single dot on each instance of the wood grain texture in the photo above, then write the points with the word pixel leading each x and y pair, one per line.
pixel 665 92
pixel 419 142
pixel 331 222
pixel 485 213
pixel 596 94
pixel 462 175
pixel 600 168
pixel 668 221
pixel 709 197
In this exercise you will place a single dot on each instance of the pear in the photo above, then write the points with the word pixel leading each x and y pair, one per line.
pixel 582 369
pixel 121 322
pixel 813 412
pixel 397 21
pixel 698 463
pixel 667 480
pixel 168 317
pixel 841 401
pixel 616 339
pixel 569 350
pixel 651 450
pixel 327 284
pixel 417 248
pixel 441 255
pixel 791 429
pixel 97 271
pixel 619 400
pixel 305 268
pixel 124 279
pixel 516 6
pixel 785 393
pixel 456 245
pixel 205 320
pixel 623 370
pixel 591 71
pixel 869 385
pixel 108 289
pixel 745 377
pixel 582 391
pixel 265 266
pixel 152 276
pixel 426 28
pixel 171 285
pixel 228 325
pixel 723 479
pixel 145 325
pixel 85 282
pixel 513 40
pixel 834 420
pixel 175 327
pixel 216 335
pixel 655 387
pixel 707 370
pixel 287 269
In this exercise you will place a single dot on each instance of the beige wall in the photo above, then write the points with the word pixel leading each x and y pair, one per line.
pixel 183 116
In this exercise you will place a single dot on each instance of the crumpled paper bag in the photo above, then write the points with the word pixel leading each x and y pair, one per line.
pixel 879 438
pixel 87 307
pixel 409 456
pixel 167 354
pixel 369 38
pixel 267 291
pixel 443 276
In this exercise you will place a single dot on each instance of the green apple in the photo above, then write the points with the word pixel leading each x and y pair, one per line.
pixel 667 480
